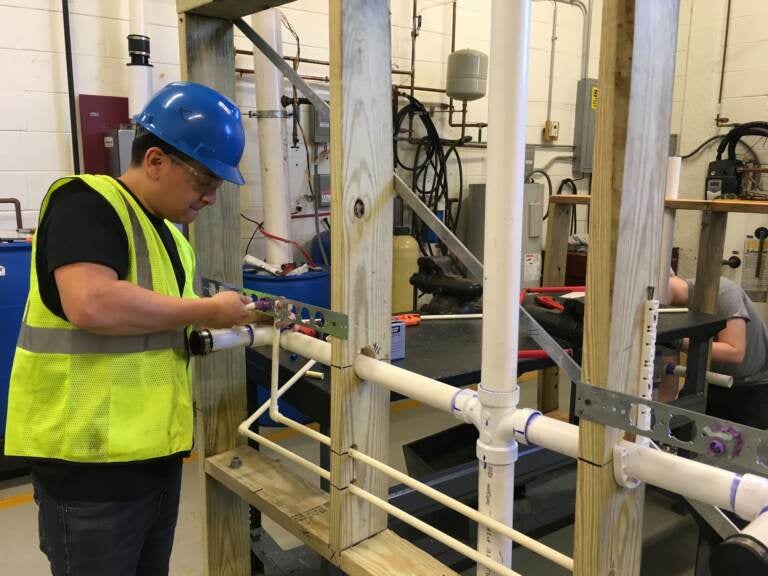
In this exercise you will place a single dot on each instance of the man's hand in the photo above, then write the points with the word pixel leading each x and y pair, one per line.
pixel 228 309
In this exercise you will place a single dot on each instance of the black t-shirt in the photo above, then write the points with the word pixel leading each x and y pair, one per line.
pixel 80 225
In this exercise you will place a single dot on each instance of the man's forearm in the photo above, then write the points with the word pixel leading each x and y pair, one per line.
pixel 123 308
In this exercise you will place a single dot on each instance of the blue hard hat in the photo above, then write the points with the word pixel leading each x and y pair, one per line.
pixel 199 122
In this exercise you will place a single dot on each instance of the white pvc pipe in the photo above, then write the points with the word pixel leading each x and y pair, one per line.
pixel 139 77
pixel 507 103
pixel 452 317
pixel 505 167
pixel 273 148
pixel 711 377
pixel 518 537
pixel 758 528
pixel 306 346
pixel 532 427
pixel 426 390
pixel 495 498
pixel 433 533
pixel 668 228
pixel 244 429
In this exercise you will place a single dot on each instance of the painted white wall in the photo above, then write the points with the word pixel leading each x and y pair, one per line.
pixel 34 115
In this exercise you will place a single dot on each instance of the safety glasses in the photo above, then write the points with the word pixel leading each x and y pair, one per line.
pixel 203 183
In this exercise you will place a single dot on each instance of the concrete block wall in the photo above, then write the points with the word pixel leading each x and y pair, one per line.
pixel 744 98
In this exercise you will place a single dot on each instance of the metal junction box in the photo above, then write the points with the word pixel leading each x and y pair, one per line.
pixel 584 128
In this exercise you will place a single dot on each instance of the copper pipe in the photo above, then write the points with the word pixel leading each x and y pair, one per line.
pixel 313 61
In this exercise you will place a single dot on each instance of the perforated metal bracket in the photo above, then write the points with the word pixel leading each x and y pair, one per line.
pixel 720 442
pixel 287 311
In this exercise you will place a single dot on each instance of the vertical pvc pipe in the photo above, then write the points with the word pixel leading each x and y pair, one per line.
pixel 668 228
pixel 272 141
pixel 504 197
pixel 498 391
pixel 139 74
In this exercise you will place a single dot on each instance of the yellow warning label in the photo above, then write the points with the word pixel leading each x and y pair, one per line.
pixel 593 99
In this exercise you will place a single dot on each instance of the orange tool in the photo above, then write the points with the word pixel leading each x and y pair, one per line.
pixel 549 302
pixel 409 319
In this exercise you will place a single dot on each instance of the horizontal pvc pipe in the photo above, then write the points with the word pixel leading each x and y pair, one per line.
pixel 288 455
pixel 532 427
pixel 680 475
pixel 303 429
pixel 758 528
pixel 433 533
pixel 306 346
pixel 514 535
pixel 452 317
pixel 426 390
pixel 711 377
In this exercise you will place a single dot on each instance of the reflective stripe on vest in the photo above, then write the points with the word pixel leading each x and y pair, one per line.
pixel 73 341
pixel 66 341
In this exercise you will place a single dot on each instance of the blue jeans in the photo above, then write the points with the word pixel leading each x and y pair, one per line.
pixel 123 538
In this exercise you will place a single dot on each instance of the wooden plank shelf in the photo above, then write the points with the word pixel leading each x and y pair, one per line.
pixel 303 510
pixel 226 9
pixel 743 206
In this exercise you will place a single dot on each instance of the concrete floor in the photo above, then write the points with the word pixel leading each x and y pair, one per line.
pixel 669 538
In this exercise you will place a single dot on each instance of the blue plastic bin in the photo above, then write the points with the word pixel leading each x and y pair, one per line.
pixel 14 287
pixel 310 288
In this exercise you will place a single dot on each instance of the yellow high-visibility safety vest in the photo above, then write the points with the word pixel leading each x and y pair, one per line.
pixel 85 397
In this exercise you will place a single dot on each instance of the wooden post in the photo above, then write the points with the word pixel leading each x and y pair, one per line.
pixel 555 260
pixel 208 57
pixel 361 182
pixel 637 59
pixel 710 261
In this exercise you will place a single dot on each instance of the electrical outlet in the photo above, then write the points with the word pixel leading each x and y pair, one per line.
pixel 551 130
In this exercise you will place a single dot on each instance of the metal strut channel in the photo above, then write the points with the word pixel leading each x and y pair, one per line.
pixel 720 442
pixel 287 311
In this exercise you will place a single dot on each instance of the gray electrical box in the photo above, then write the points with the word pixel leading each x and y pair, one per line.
pixel 320 127
pixel 584 129
pixel 118 144
pixel 533 195
pixel 323 189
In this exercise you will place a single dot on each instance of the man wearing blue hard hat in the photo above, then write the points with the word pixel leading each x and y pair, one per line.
pixel 100 399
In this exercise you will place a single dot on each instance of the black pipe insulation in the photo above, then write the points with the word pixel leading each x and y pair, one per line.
pixel 71 87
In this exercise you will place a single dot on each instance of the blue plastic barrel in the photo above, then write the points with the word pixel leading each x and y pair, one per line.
pixel 14 287
pixel 310 288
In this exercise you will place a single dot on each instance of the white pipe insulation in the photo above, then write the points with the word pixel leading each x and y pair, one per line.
pixel 498 392
pixel 273 147
pixel 139 69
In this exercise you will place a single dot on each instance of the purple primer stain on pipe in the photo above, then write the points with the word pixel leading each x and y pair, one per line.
pixel 734 488
pixel 531 418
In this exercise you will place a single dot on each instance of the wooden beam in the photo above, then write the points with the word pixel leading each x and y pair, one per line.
pixel 555 259
pixel 302 509
pixel 741 206
pixel 637 62
pixel 361 180
pixel 710 261
pixel 226 9
pixel 208 57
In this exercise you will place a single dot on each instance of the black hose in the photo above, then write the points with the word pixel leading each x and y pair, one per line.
pixel 71 87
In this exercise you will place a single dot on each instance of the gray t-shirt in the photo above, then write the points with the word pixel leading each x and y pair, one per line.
pixel 733 302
